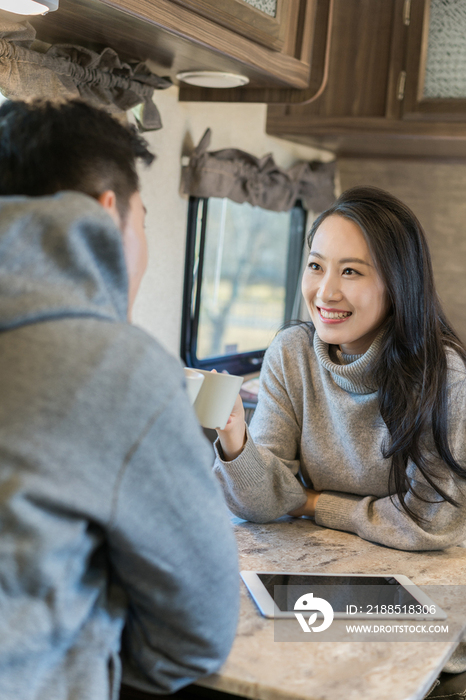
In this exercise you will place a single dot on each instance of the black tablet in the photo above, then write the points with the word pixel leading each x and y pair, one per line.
pixel 352 596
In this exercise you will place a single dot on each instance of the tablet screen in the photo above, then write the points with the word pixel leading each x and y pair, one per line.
pixel 340 591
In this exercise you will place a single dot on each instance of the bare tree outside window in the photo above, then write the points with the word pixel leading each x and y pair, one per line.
pixel 244 278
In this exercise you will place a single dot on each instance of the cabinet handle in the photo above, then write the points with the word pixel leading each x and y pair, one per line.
pixel 400 92
pixel 407 13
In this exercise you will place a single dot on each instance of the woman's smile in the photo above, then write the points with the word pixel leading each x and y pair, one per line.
pixel 333 315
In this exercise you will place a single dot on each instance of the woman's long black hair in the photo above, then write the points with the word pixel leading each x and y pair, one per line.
pixel 411 370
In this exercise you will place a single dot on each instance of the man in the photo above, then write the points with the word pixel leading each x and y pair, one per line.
pixel 114 536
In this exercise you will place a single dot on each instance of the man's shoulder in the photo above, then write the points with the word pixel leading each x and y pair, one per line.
pixel 138 338
pixel 142 353
pixel 126 360
pixel 125 341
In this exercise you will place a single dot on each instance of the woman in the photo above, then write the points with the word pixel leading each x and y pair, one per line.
pixel 362 414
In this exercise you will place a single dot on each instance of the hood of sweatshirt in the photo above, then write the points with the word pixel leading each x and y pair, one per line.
pixel 60 256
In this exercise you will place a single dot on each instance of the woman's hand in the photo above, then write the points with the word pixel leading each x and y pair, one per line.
pixel 233 436
pixel 309 508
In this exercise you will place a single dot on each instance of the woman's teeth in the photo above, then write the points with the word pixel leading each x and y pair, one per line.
pixel 334 314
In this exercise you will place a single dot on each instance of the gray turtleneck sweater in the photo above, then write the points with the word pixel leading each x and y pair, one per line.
pixel 317 425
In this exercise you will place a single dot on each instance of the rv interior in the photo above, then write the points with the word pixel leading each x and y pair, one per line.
pixel 329 79
pixel 372 92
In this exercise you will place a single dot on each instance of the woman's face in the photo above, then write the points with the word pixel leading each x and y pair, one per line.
pixel 343 291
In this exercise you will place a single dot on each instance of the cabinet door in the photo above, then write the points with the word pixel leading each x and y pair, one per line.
pixel 435 75
pixel 271 23
pixel 185 35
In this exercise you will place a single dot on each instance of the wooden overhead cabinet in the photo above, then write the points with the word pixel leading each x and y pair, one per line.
pixel 432 81
pixel 358 77
pixel 273 26
pixel 396 83
pixel 269 41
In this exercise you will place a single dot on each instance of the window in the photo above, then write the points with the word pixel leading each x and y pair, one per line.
pixel 242 281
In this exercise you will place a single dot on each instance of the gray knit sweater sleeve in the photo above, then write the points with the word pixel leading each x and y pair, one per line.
pixel 384 521
pixel 318 424
pixel 260 484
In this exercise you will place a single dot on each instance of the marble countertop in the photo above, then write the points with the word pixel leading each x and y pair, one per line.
pixel 260 668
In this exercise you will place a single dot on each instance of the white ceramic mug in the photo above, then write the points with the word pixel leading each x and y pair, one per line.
pixel 216 398
pixel 194 382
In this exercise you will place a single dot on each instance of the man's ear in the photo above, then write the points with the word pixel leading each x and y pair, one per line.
pixel 108 201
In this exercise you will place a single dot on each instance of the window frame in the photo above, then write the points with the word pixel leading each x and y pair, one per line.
pixel 240 363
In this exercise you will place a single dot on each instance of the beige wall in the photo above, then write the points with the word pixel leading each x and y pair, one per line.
pixel 158 307
pixel 436 192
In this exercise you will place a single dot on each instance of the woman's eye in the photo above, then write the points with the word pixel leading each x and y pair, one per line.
pixel 349 272
pixel 314 266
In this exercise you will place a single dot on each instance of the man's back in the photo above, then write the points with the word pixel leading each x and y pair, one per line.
pixel 110 516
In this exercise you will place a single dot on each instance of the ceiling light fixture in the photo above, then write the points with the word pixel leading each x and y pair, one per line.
pixel 29 7
pixel 212 79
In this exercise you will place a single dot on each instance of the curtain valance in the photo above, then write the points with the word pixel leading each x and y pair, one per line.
pixel 65 71
pixel 242 177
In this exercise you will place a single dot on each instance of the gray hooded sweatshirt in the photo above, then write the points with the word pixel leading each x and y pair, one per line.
pixel 114 534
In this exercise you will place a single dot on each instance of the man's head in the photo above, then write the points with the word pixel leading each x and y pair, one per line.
pixel 47 148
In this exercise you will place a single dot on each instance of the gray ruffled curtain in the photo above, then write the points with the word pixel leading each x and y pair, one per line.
pixel 244 178
pixel 65 72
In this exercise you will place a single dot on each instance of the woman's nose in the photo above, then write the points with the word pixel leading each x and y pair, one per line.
pixel 329 289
